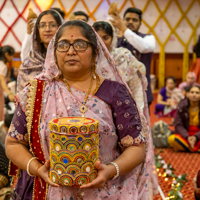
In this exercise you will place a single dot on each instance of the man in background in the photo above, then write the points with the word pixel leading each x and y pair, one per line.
pixel 141 45
pixel 80 15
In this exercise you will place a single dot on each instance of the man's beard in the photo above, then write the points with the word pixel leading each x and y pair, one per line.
pixel 130 26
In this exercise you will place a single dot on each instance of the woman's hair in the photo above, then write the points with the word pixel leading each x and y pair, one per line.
pixel 187 88
pixel 56 16
pixel 61 12
pixel 85 29
pixel 197 86
pixel 105 26
pixel 6 49
pixel 171 77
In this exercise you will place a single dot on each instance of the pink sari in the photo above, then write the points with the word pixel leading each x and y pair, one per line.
pixel 59 102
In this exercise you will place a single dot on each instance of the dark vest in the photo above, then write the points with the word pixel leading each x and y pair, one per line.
pixel 145 58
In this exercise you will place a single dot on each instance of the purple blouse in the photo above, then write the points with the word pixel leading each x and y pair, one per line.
pixel 163 92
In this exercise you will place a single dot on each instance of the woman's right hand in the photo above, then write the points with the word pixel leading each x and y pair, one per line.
pixel 43 172
pixel 30 26
pixel 11 97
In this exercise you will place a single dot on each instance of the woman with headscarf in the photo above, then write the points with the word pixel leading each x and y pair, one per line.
pixel 45 28
pixel 168 98
pixel 79 70
pixel 134 73
pixel 190 81
pixel 131 69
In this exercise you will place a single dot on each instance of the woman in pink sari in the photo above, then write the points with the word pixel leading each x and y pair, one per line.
pixel 77 64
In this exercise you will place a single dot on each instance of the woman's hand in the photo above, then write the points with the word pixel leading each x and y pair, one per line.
pixel 43 172
pixel 118 23
pixel 30 26
pixel 104 174
pixel 192 140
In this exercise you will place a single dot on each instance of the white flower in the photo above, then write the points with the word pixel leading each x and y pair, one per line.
pixel 174 182
pixel 168 171
pixel 180 194
pixel 165 166
pixel 179 176
pixel 162 162
pixel 159 157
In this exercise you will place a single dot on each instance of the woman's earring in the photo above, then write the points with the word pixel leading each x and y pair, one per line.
pixel 94 71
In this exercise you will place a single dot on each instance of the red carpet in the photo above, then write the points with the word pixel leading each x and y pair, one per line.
pixel 188 163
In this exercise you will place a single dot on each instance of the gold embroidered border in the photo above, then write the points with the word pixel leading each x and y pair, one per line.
pixel 30 108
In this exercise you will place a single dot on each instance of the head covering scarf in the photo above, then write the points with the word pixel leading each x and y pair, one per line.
pixel 133 71
pixel 59 102
pixel 33 64
pixel 185 84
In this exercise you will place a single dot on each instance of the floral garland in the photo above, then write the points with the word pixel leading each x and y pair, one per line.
pixel 177 181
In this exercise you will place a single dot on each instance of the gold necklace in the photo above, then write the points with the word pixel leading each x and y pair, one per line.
pixel 83 109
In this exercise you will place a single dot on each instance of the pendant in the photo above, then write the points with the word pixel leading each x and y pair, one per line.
pixel 83 109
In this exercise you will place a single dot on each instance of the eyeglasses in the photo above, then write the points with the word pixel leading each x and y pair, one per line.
pixel 51 26
pixel 79 45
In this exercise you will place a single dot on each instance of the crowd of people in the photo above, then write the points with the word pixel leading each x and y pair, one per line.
pixel 105 68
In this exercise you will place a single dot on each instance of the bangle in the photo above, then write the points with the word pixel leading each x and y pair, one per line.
pixel 117 168
pixel 27 168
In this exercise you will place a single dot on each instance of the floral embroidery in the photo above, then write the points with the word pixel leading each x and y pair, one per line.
pixel 137 141
pixel 136 117
pixel 20 137
pixel 115 114
pixel 18 114
pixel 127 141
pixel 127 102
pixel 26 137
pixel 126 115
pixel 119 103
pixel 120 126
pixel 17 123
pixel 12 128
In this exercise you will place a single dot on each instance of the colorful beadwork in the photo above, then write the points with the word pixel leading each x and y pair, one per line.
pixel 74 149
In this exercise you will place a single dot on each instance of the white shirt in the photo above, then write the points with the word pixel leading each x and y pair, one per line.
pixel 3 69
pixel 26 46
pixel 146 44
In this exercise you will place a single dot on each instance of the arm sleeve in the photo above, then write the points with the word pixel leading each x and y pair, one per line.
pixel 179 126
pixel 126 118
pixel 162 92
pixel 26 46
pixel 3 69
pixel 18 129
pixel 143 45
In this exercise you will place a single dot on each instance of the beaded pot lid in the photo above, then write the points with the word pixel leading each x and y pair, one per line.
pixel 74 125
pixel 74 149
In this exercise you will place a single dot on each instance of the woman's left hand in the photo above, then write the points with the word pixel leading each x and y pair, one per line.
pixel 103 176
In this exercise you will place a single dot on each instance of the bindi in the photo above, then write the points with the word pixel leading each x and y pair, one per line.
pixel 71 35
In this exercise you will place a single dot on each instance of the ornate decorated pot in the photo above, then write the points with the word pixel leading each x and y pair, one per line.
pixel 74 149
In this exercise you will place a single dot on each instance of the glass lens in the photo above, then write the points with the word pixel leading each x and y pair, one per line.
pixel 80 45
pixel 62 46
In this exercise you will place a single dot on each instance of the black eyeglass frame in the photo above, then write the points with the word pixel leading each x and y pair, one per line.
pixel 72 44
